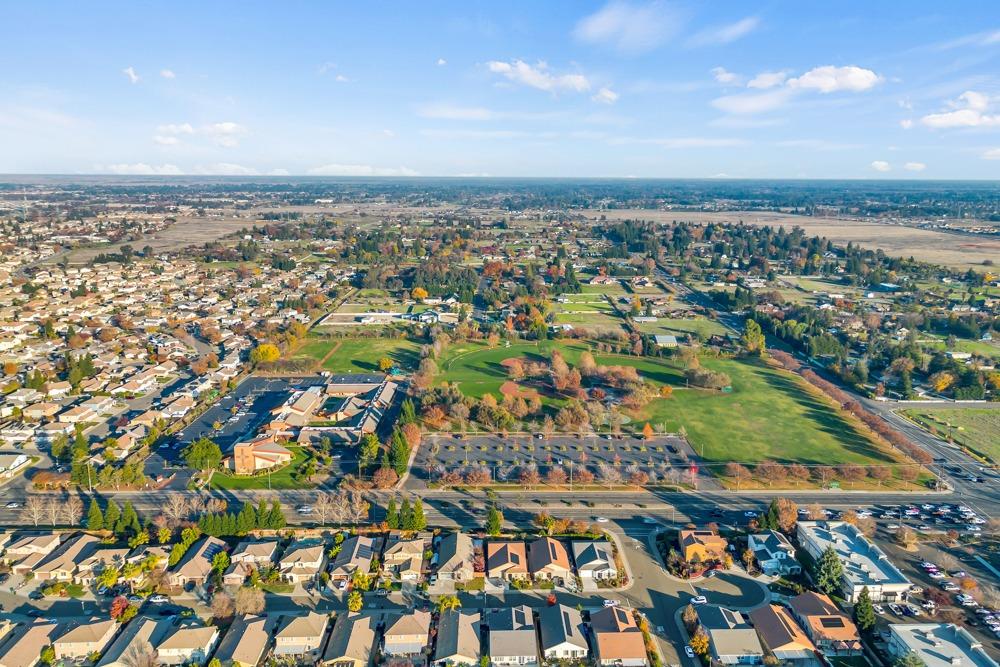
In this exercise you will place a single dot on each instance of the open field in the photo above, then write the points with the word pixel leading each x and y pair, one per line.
pixel 957 250
pixel 477 370
pixel 770 414
pixel 973 428
pixel 702 326
pixel 359 355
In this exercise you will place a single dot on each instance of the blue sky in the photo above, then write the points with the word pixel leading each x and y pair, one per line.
pixel 646 89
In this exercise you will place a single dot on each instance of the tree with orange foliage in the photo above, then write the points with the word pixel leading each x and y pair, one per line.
pixel 647 431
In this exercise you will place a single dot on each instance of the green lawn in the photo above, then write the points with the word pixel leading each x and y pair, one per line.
pixel 281 479
pixel 770 414
pixel 360 355
pixel 476 368
pixel 974 428
pixel 702 326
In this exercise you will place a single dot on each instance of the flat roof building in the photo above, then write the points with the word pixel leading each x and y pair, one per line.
pixel 938 645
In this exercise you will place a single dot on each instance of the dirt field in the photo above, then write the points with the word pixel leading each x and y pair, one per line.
pixel 957 250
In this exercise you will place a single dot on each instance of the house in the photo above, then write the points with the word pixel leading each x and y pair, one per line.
pixel 455 558
pixel 512 637
pixel 938 645
pixel 27 552
pixel 404 559
pixel 246 641
pixel 356 553
pixel 665 340
pixel 702 546
pixel 548 559
pixel 829 628
pixel 249 556
pixel 563 633
pixel 457 639
pixel 781 635
pixel 62 564
pixel 864 564
pixel 302 637
pixel 83 639
pixel 617 638
pixel 775 555
pixel 11 464
pixel 731 639
pixel 138 638
pixel 187 645
pixel 90 567
pixel 261 453
pixel 352 641
pixel 407 634
pixel 594 560
pixel 507 560
pixel 21 646
pixel 302 561
pixel 196 566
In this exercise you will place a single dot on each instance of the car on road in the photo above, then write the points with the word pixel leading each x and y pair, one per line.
pixel 135 599
pixel 382 592
pixel 610 603
pixel 648 520
pixel 699 599
pixel 602 519
pixel 689 652
pixel 304 509
pixel 12 505
pixel 950 587
pixel 159 599
pixel 750 513
pixel 710 574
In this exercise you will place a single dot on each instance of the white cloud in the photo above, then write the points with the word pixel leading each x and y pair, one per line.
pixel 226 134
pixel 829 79
pixel 906 123
pixel 442 62
pixel 725 77
pixel 991 154
pixel 225 169
pixel 968 111
pixel 538 76
pixel 750 103
pixel 605 96
pixel 360 170
pixel 168 74
pixel 340 78
pixel 278 172
pixel 914 166
pixel 629 27
pixel 175 128
pixel 165 140
pixel 142 169
pixel 881 165
pixel 726 33
pixel 766 80
pixel 131 74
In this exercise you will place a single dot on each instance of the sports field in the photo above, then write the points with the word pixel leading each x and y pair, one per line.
pixel 974 428
pixel 359 355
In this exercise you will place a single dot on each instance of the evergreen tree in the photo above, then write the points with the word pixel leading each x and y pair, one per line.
pixel 829 572
pixel 864 611
pixel 494 521
pixel 405 515
pixel 391 514
pixel 276 518
pixel 111 515
pixel 407 412
pixel 262 515
pixel 128 524
pixel 95 518
pixel 417 519
pixel 399 453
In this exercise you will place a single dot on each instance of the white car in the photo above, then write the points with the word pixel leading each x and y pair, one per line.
pixel 699 599
pixel 689 652
pixel 879 609
pixel 159 599
pixel 304 509
pixel 751 513
pixel 602 519
pixel 894 608
pixel 610 603
pixel 12 505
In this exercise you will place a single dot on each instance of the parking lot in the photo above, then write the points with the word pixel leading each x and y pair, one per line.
pixel 663 458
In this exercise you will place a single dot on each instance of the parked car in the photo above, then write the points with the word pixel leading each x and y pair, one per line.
pixel 159 599
pixel 894 608
pixel 699 599
pixel 610 603
pixel 879 609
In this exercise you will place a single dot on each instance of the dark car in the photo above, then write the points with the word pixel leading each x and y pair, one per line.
pixel 4 577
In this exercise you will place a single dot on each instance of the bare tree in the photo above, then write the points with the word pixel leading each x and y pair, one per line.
pixel 140 654
pixel 53 507
pixel 325 507
pixel 357 506
pixel 73 510
pixel 249 600
pixel 35 507
pixel 222 606
pixel 175 508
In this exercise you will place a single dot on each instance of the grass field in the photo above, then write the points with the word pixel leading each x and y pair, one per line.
pixel 360 355
pixel 702 326
pixel 770 414
pixel 476 368
pixel 281 479
pixel 973 428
